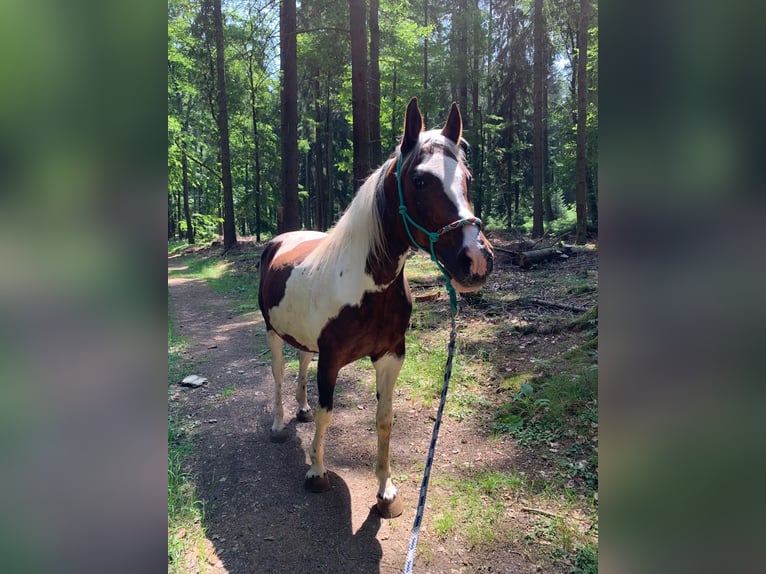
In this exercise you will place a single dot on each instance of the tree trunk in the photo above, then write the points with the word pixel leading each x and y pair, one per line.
pixel 257 186
pixel 581 229
pixel 329 216
pixel 256 154
pixel 476 34
pixel 537 144
pixel 177 219
pixel 318 161
pixel 290 219
pixel 425 61
pixel 394 124
pixel 479 188
pixel 229 230
pixel 547 180
pixel 461 57
pixel 359 103
pixel 171 221
pixel 376 145
pixel 185 189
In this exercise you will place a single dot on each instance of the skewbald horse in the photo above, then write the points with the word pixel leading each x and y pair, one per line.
pixel 344 294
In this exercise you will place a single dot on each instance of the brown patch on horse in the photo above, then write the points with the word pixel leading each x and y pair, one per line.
pixel 372 329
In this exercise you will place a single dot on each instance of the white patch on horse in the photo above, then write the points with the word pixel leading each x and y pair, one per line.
pixel 310 303
pixel 448 170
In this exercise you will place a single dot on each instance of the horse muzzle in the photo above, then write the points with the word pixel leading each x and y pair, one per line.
pixel 474 265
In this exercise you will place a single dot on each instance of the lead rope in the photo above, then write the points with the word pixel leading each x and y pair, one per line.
pixel 410 561
pixel 433 237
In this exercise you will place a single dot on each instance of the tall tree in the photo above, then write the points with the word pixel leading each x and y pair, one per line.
pixel 425 58
pixel 289 116
pixel 359 103
pixel 185 187
pixel 581 229
pixel 537 144
pixel 460 22
pixel 376 147
pixel 229 229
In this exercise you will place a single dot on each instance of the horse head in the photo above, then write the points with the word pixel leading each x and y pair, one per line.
pixel 433 183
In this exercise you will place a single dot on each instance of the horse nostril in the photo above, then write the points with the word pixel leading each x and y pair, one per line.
pixel 464 261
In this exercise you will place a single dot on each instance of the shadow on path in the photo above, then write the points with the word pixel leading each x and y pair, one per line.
pixel 260 518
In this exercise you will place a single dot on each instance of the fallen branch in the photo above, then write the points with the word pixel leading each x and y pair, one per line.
pixel 552 514
pixel 553 304
pixel 541 511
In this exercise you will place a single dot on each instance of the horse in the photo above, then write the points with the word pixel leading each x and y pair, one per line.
pixel 344 295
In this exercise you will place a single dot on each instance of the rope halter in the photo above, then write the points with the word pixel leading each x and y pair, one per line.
pixel 433 236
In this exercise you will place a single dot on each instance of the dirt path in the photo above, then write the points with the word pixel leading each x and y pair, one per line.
pixel 258 516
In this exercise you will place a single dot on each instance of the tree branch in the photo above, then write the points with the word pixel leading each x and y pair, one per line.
pixel 207 167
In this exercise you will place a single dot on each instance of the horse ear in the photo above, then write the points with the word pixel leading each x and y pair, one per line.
pixel 453 129
pixel 413 125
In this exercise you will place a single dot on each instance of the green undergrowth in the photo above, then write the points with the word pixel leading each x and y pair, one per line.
pixel 475 507
pixel 185 510
pixel 557 410
pixel 482 508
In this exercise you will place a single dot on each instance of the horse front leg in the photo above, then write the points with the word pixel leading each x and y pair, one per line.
pixel 304 414
pixel 316 477
pixel 387 370
pixel 276 344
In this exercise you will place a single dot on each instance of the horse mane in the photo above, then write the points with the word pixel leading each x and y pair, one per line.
pixel 359 226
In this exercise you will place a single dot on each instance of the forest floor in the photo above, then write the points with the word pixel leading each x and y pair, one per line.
pixel 514 483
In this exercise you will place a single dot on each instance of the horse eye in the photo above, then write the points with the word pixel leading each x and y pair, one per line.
pixel 418 181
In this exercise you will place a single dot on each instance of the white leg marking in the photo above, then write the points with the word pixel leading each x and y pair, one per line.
pixel 300 391
pixel 386 371
pixel 322 419
pixel 276 344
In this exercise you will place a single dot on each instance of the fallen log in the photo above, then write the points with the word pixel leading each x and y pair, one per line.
pixel 525 259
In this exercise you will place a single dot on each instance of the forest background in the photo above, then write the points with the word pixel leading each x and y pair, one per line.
pixel 277 112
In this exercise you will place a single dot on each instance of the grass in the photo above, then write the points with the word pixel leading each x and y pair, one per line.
pixel 477 503
pixel 241 285
pixel 185 510
pixel 474 509
pixel 224 278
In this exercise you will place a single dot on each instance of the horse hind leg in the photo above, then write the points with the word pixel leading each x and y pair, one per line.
pixel 386 371
pixel 276 345
pixel 304 414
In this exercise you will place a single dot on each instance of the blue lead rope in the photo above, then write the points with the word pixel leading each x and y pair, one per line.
pixel 433 237
pixel 410 561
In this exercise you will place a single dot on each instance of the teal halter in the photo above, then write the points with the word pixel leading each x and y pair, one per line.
pixel 433 236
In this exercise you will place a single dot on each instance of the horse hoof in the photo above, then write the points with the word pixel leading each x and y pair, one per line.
pixel 318 483
pixel 278 436
pixel 390 509
pixel 305 416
